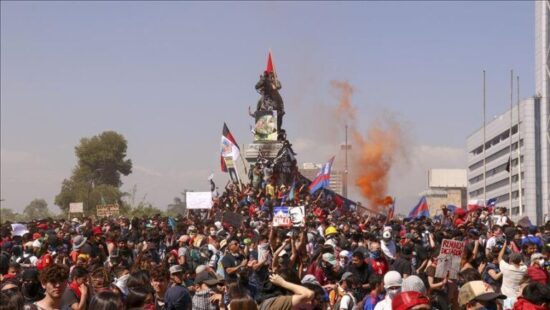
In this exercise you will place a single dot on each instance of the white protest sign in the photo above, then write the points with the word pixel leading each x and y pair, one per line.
pixel 19 229
pixel 198 200
pixel 297 216
pixel 449 259
pixel 76 207
pixel 281 217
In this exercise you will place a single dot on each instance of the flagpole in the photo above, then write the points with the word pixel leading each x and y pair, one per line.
pixel 244 164
pixel 510 137
pixel 520 196
pixel 484 138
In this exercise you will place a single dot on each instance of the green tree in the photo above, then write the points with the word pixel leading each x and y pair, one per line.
pixel 97 176
pixel 36 209
pixel 179 206
pixel 7 214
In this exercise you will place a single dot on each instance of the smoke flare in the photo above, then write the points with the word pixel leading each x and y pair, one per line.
pixel 377 150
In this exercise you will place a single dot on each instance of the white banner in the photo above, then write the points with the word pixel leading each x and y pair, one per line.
pixel 198 200
pixel 76 207
pixel 19 229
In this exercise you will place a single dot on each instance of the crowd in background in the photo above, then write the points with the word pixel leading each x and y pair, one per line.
pixel 342 258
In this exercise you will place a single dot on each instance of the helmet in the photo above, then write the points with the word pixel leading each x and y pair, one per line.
pixel 331 230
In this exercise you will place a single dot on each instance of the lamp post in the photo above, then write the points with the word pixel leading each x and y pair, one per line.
pixel 345 147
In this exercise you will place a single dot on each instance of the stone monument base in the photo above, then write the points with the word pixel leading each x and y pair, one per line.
pixel 268 149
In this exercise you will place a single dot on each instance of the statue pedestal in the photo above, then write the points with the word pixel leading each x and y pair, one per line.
pixel 268 149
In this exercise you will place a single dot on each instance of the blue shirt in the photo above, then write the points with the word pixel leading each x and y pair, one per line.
pixel 177 297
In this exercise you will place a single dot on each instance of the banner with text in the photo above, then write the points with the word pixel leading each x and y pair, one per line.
pixel 449 258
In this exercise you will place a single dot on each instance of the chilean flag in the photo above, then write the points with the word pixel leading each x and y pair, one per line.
pixel 474 204
pixel 421 209
pixel 229 147
pixel 322 179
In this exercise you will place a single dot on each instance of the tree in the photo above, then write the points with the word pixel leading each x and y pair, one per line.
pixel 8 215
pixel 36 209
pixel 96 179
pixel 179 206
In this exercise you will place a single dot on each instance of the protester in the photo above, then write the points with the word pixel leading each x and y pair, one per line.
pixel 233 256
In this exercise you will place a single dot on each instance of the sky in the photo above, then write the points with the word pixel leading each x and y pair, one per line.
pixel 167 75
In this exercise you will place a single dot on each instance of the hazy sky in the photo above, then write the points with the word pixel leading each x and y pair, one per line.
pixel 167 75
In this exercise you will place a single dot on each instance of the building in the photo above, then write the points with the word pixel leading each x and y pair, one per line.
pixel 515 143
pixel 310 170
pixel 500 159
pixel 446 187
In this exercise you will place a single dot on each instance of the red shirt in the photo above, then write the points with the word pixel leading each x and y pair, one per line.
pixel 380 265
pixel 538 274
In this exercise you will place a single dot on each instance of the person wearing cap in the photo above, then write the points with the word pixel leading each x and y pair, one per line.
pixel 475 295
pixel 343 259
pixel 536 271
pixel 177 296
pixel 78 243
pixel 346 300
pixel 411 300
pixel 206 296
pixel 392 284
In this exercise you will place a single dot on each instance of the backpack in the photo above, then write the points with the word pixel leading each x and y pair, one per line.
pixel 192 259
pixel 352 305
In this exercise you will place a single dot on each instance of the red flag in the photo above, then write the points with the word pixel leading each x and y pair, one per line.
pixel 269 67
pixel 229 147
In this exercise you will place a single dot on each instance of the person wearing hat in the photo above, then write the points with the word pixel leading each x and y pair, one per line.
pixel 78 242
pixel 537 272
pixel 206 283
pixel 477 294
pixel 177 296
pixel 346 300
pixel 411 300
pixel 392 284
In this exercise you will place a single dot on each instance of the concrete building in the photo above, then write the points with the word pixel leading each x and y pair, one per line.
pixel 501 161
pixel 529 132
pixel 446 187
pixel 310 170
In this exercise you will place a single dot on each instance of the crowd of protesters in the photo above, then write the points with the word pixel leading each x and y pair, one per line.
pixel 342 258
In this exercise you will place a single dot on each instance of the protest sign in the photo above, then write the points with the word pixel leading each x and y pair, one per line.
pixel 297 216
pixel 18 229
pixel 233 219
pixel 281 217
pixel 76 207
pixel 265 128
pixel 198 200
pixel 449 258
pixel 107 210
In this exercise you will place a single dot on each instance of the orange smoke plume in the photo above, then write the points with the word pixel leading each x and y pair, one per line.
pixel 376 151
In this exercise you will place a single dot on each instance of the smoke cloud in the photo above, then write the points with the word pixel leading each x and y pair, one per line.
pixel 377 150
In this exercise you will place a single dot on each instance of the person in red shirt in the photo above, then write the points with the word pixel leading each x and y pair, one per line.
pixel 378 263
pixel 536 271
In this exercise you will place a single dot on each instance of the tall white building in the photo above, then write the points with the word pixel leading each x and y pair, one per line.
pixel 542 90
pixel 500 163
pixel 531 133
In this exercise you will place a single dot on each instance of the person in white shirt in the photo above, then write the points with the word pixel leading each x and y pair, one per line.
pixel 392 283
pixel 513 273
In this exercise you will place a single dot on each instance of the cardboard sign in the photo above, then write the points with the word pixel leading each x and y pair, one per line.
pixel 449 258
pixel 18 229
pixel 281 217
pixel 266 126
pixel 233 219
pixel 297 216
pixel 107 210
pixel 76 207
pixel 198 200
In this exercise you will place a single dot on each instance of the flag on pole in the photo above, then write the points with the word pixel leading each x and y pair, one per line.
pixel 391 212
pixel 421 209
pixel 492 202
pixel 322 179
pixel 291 193
pixel 509 164
pixel 269 68
pixel 229 148
pixel 474 204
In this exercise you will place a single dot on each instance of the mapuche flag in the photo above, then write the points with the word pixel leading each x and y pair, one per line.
pixel 229 147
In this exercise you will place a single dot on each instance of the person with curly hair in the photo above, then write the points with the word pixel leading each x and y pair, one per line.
pixel 54 280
